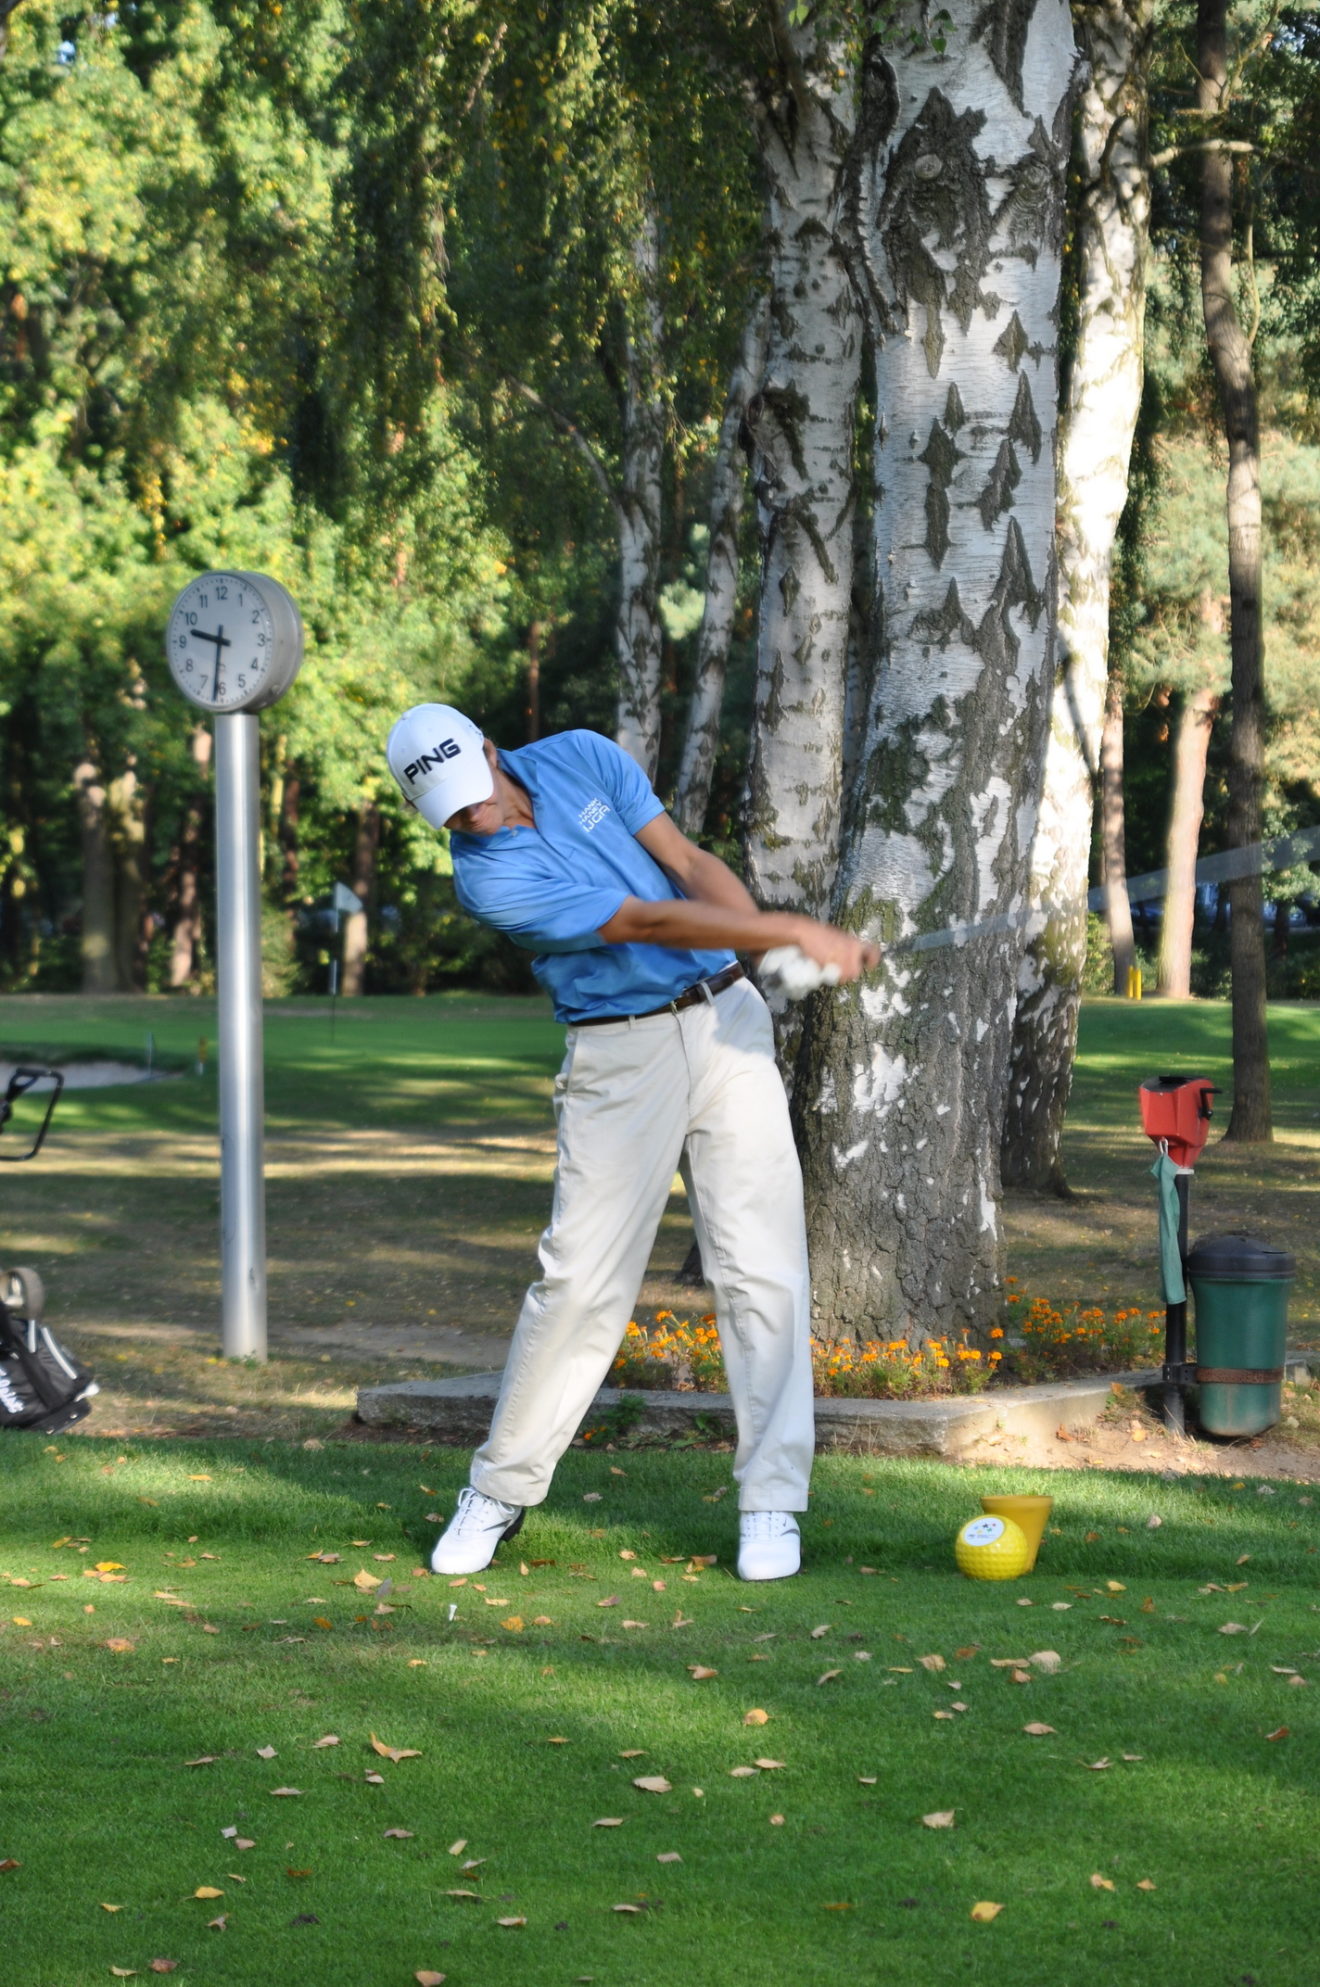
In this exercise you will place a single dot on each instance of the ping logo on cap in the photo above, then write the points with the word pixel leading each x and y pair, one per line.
pixel 447 748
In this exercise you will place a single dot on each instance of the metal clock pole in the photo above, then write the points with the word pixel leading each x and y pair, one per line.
pixel 234 644
pixel 238 914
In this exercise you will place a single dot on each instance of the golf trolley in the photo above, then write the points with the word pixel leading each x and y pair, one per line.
pixel 42 1386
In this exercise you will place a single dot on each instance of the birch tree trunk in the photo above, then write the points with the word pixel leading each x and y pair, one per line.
pixel 1097 423
pixel 899 1094
pixel 702 734
pixel 638 633
pixel 98 881
pixel 800 428
pixel 1191 747
pixel 366 844
pixel 1230 355
pixel 128 836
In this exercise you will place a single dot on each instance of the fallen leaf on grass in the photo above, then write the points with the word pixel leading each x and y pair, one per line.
pixel 836 1907
pixel 816 1633
pixel 770 1765
pixel 1235 1628
pixel 164 1965
pixel 1145 1884
pixel 203 1759
pixel 828 1676
pixel 1101 1883
pixel 112 1907
pixel 509 1923
pixel 933 1663
pixel 699 1673
pixel 428 1978
pixel 330 1739
pixel 1047 1661
pixel 119 1643
pixel 630 1910
pixel 653 1783
pixel 207 1890
pixel 742 1773
pixel 1281 1733
pixel 1008 1662
pixel 776 1821
pixel 457 1848
pixel 1097 1765
pixel 398 1835
pixel 465 1896
pixel 985 1911
pixel 868 1779
pixel 669 1856
pixel 123 1972
pixel 756 1717
pixel 1039 1731
pixel 396 1753
pixel 942 1817
pixel 514 1623
pixel 267 1752
pixel 634 1752
pixel 609 1821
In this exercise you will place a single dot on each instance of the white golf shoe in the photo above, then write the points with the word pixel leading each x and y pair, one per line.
pixel 479 1524
pixel 769 1545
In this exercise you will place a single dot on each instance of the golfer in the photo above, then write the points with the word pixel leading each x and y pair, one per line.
pixel 669 1064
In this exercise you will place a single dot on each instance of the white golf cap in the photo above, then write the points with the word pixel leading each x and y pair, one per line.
pixel 436 755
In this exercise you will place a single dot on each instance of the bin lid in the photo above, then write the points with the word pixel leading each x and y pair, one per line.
pixel 1239 1259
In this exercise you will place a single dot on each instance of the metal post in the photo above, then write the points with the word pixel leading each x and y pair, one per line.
pixel 238 918
pixel 1175 1324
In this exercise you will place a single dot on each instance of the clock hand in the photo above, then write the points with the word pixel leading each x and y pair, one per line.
pixel 220 643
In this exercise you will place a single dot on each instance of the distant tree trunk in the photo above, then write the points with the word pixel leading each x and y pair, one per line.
pixel 290 807
pixel 801 430
pixel 638 636
pixel 366 844
pixel 98 881
pixel 702 734
pixel 1191 746
pixel 899 1091
pixel 1098 420
pixel 186 937
pixel 1230 354
pixel 1113 838
pixel 128 836
pixel 7 7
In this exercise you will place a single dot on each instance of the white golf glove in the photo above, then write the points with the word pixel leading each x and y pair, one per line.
pixel 786 974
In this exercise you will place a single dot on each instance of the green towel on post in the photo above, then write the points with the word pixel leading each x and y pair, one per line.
pixel 1171 1269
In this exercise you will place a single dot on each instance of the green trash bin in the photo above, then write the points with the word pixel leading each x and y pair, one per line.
pixel 1239 1286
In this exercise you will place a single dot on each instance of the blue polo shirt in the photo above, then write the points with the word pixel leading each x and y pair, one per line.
pixel 550 888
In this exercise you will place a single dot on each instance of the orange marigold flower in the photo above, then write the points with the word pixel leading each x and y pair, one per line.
pixel 996 1331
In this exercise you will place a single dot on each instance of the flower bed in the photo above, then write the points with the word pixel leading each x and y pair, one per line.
pixel 1039 1342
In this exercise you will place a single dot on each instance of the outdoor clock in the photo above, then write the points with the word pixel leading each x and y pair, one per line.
pixel 234 641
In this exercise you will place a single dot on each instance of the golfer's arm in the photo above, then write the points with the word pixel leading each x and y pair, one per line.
pixel 715 909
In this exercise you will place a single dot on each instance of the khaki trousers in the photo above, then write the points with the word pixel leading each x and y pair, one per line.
pixel 697 1092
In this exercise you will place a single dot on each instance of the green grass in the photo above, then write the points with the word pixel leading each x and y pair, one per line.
pixel 98 1804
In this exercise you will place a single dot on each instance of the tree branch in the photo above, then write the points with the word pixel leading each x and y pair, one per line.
pixel 571 432
pixel 1172 152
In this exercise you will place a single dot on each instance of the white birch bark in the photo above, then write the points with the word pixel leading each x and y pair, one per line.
pixel 1097 423
pixel 900 1083
pixel 702 734
pixel 801 427
pixel 638 633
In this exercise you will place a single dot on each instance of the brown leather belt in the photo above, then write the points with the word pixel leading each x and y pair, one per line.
pixel 688 998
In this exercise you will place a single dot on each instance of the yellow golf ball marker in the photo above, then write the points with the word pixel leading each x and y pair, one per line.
pixel 992 1549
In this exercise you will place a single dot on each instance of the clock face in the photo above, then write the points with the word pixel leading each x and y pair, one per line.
pixel 229 641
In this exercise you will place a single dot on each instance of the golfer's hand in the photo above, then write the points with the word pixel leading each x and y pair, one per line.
pixel 826 945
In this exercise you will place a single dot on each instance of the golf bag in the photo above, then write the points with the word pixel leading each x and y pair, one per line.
pixel 42 1385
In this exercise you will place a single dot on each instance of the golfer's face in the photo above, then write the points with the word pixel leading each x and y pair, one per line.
pixel 482 818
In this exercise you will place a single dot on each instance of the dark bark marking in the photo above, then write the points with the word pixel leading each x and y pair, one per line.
pixel 943 624
pixel 954 412
pixel 1030 214
pixel 1023 426
pixel 997 496
pixel 935 190
pixel 1002 26
pixel 941 456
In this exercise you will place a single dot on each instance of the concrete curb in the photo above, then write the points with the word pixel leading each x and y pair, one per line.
pixel 458 1411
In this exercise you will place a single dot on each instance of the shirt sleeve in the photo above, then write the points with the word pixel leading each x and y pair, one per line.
pixel 626 786
pixel 544 913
